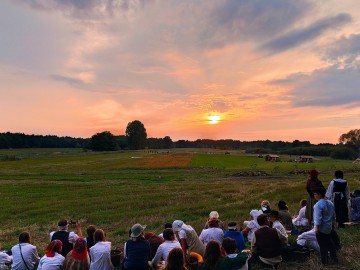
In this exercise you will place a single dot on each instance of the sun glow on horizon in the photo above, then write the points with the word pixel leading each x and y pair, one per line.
pixel 214 119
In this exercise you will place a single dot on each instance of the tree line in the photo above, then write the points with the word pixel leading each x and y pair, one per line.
pixel 135 138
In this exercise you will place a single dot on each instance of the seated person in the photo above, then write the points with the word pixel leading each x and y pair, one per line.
pixel 212 256
pixel 233 233
pixel 155 241
pixel 213 232
pixel 189 239
pixel 252 225
pixel 284 215
pixel 78 258
pixel 308 239
pixel 23 253
pixel 165 248
pixel 52 259
pixel 100 253
pixel 90 236
pixel 176 260
pixel 232 260
pixel 67 238
pixel 300 220
pixel 265 207
pixel 214 215
pixel 5 259
pixel 274 219
pixel 266 243
pixel 167 225
pixel 355 205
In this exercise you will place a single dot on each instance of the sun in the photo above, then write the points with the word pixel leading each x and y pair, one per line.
pixel 214 119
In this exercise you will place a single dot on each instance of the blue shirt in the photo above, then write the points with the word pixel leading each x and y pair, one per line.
pixel 324 215
pixel 238 237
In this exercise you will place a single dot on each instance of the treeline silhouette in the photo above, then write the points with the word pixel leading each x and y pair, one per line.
pixel 20 140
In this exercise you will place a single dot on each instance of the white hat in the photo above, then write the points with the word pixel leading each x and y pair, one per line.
pixel 177 224
pixel 214 214
pixel 254 213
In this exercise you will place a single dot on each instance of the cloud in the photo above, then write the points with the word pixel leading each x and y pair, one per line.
pixel 300 36
pixel 344 50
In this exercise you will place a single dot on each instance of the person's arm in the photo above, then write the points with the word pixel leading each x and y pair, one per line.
pixel 34 255
pixel 183 246
pixel 253 243
pixel 246 230
pixel 329 191
pixel 157 257
pixel 317 217
pixel 78 229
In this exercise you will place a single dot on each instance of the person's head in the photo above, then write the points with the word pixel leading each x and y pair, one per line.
pixel 229 245
pixel 63 225
pixel 79 252
pixel 265 206
pixel 177 224
pixel 262 220
pixel 303 203
pixel 339 174
pixel 213 214
pixel 212 254
pixel 24 237
pixel 137 230
pixel 214 223
pixel 232 226
pixel 168 225
pixel 53 247
pixel 282 205
pixel 91 230
pixel 313 173
pixel 168 234
pixel 273 216
pixel 319 193
pixel 175 260
pixel 99 236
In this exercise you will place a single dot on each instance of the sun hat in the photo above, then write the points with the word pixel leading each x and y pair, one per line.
pixel 137 229
pixel 177 224
pixel 214 214
pixel 254 213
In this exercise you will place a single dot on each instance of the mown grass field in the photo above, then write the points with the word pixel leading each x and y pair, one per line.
pixel 115 190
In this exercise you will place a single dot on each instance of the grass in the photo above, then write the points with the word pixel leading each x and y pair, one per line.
pixel 115 190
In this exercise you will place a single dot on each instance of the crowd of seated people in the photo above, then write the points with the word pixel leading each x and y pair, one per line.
pixel 261 241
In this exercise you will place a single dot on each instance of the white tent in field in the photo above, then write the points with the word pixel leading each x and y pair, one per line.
pixel 356 161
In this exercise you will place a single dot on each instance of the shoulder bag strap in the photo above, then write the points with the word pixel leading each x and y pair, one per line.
pixel 23 258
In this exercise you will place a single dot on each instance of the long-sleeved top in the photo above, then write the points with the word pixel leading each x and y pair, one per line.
pixel 164 250
pixel 330 191
pixel 51 263
pixel 277 225
pixel 324 215
pixel 301 219
pixel 5 258
pixel 209 234
pixel 100 256
pixel 29 253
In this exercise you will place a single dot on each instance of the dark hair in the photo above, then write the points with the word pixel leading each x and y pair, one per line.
pixel 319 190
pixel 274 214
pixel 168 234
pixel 303 202
pixel 212 255
pixel 168 225
pixel 282 205
pixel 232 224
pixel 91 230
pixel 63 222
pixel 262 219
pixel 24 237
pixel 175 260
pixel 99 236
pixel 339 174
pixel 229 245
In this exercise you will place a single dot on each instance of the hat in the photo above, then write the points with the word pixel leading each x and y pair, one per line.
pixel 214 214
pixel 177 224
pixel 254 213
pixel 356 193
pixel 313 173
pixel 137 229
pixel 265 203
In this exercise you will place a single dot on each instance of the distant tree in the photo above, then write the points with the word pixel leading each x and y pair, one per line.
pixel 136 135
pixel 351 139
pixel 104 141
pixel 167 142
pixel 343 152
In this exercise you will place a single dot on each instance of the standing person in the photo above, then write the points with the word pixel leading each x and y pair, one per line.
pixel 189 239
pixel 338 192
pixel 137 249
pixel 25 255
pixel 78 258
pixel 100 252
pixel 67 238
pixel 312 182
pixel 52 260
pixel 324 220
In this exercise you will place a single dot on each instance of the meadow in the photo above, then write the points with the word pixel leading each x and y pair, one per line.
pixel 117 189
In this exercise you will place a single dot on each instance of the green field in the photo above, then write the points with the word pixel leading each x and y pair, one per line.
pixel 115 190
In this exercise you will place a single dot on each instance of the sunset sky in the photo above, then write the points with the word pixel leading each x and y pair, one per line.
pixel 189 69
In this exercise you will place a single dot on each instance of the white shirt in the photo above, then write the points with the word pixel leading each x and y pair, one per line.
pixel 51 263
pixel 253 226
pixel 72 237
pixel 209 234
pixel 277 225
pixel 4 258
pixel 301 219
pixel 308 239
pixel 29 253
pixel 182 233
pixel 164 250
pixel 100 256
pixel 330 191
